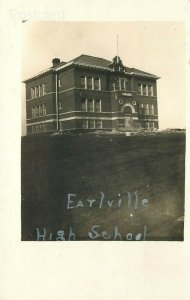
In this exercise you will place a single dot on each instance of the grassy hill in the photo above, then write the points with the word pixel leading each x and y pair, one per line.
pixel 90 165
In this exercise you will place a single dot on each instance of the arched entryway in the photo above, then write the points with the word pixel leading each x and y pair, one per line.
pixel 128 119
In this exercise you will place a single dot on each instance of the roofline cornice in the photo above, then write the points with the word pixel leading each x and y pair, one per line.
pixel 83 65
pixel 38 76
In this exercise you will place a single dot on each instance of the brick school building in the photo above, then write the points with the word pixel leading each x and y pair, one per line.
pixel 91 93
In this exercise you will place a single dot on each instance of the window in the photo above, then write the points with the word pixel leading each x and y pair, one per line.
pixel 33 112
pixel 60 104
pixel 44 127
pixel 32 93
pixel 150 90
pixel 90 105
pixel 61 125
pixel 83 82
pixel 40 90
pixel 123 85
pixel 60 83
pixel 36 111
pixel 33 128
pixel 44 109
pixel 43 89
pixel 97 84
pixel 147 125
pixel 140 88
pixel 117 84
pixel 98 105
pixel 98 124
pixel 146 109
pixel 40 110
pixel 144 90
pixel 84 104
pixel 36 91
pixel 84 124
pixel 151 109
pixel 152 125
pixel 91 124
pixel 89 83
pixel 141 108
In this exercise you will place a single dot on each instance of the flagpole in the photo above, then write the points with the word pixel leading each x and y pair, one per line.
pixel 117 47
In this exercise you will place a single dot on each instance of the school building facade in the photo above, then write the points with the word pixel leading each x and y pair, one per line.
pixel 91 93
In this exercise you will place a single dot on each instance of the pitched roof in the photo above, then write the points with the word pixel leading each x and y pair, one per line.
pixel 142 73
pixel 46 71
pixel 92 62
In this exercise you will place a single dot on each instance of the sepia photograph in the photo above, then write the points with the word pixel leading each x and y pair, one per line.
pixel 103 131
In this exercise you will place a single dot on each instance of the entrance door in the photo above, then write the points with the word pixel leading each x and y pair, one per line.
pixel 128 120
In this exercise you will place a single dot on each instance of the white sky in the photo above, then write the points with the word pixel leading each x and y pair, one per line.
pixel 155 47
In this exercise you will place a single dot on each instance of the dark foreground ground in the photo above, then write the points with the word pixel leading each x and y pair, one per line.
pixel 108 169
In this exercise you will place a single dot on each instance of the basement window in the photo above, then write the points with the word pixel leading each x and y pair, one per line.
pixel 91 124
pixel 98 124
pixel 84 124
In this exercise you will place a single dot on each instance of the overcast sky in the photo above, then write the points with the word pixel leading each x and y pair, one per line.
pixel 155 47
